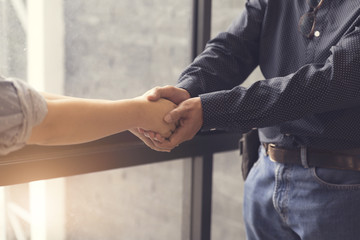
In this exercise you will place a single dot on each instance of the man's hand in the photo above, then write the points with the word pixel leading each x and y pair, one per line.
pixel 189 114
pixel 152 113
pixel 174 94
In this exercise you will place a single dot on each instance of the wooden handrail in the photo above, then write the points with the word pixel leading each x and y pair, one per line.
pixel 118 151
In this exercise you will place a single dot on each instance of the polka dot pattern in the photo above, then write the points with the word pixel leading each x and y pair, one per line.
pixel 311 92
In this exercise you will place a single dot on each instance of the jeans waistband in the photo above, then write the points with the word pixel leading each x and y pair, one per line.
pixel 307 157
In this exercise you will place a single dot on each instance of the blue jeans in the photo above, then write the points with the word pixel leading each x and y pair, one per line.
pixel 290 202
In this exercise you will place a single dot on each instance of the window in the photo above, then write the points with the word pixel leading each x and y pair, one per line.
pixel 112 50
pixel 106 49
pixel 121 49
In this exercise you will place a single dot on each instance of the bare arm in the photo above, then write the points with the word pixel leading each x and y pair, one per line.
pixel 52 96
pixel 74 120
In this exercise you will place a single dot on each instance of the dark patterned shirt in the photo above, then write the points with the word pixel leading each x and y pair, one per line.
pixel 311 92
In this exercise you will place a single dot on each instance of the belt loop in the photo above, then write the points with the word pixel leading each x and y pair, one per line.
pixel 303 156
pixel 266 147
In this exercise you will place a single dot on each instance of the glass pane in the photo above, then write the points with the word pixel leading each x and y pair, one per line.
pixel 142 202
pixel 12 42
pixel 121 49
pixel 227 220
pixel 114 50
pixel 223 12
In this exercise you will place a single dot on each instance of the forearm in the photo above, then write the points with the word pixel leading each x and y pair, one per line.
pixel 73 120
pixel 217 68
pixel 229 58
pixel 52 96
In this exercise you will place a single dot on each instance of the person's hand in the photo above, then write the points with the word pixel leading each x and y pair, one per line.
pixel 190 117
pixel 173 94
pixel 152 116
pixel 140 134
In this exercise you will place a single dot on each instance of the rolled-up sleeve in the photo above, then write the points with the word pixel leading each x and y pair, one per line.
pixel 21 108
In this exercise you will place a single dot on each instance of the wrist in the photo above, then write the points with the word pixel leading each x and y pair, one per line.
pixel 140 108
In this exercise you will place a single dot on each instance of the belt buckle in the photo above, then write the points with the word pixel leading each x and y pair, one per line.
pixel 267 151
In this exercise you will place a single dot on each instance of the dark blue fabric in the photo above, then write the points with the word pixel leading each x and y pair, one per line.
pixel 311 92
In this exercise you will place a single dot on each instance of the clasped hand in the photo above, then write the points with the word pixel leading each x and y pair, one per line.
pixel 186 119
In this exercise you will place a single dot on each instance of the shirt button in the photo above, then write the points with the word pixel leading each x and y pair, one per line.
pixel 316 33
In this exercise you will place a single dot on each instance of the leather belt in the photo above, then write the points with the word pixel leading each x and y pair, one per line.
pixel 344 159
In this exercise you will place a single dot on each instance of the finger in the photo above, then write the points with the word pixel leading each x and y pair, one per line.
pixel 170 143
pixel 148 142
pixel 160 92
pixel 151 134
pixel 141 130
pixel 155 136
pixel 159 139
pixel 151 144
pixel 166 145
pixel 153 94
pixel 174 115
pixel 183 133
pixel 158 146
pixel 174 94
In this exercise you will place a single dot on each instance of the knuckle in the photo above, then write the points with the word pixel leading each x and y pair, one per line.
pixel 157 88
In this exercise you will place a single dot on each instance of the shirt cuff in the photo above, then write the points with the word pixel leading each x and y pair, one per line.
pixel 33 107
pixel 215 111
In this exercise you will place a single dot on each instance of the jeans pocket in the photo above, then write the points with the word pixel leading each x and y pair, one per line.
pixel 337 179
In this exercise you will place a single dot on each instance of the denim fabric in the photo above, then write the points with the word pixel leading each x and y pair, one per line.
pixel 290 202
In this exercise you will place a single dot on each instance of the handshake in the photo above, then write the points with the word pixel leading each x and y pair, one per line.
pixel 170 117
pixel 162 118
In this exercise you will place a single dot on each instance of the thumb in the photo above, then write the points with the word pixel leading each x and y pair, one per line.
pixel 153 94
pixel 173 116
